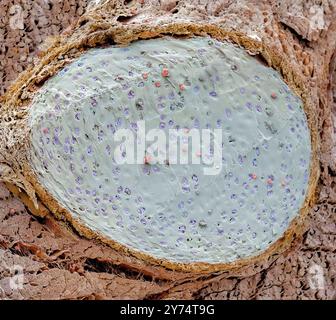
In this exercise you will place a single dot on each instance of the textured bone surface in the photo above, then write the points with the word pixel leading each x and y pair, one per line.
pixel 59 264
pixel 174 211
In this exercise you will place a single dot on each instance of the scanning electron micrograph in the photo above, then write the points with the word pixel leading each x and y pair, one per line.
pixel 167 150
pixel 179 212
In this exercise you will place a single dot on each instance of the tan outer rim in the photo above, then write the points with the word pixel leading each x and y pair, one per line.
pixel 118 35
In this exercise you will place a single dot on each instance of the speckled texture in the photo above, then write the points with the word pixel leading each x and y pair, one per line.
pixel 286 278
pixel 24 26
pixel 174 211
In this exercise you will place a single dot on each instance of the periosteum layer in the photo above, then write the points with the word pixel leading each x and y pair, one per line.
pixel 174 211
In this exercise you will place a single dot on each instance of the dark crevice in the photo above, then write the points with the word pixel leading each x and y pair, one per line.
pixel 331 172
pixel 83 22
pixel 22 252
pixel 105 266
pixel 261 59
pixel 296 35
pixel 305 236
pixel 124 19
pixel 109 41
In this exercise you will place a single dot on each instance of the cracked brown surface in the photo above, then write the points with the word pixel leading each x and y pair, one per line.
pixel 59 264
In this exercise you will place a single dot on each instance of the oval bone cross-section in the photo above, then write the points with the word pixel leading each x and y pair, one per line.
pixel 231 199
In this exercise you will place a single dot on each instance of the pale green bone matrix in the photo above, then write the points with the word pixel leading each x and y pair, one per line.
pixel 174 211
